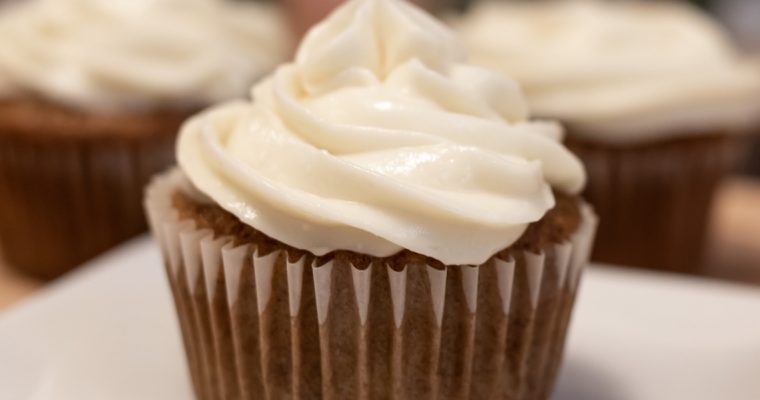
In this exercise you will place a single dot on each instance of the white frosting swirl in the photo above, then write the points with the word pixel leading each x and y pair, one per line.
pixel 377 139
pixel 111 54
pixel 620 71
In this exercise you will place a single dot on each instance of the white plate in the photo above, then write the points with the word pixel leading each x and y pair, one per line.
pixel 109 332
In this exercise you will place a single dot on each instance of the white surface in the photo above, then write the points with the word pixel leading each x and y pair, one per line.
pixel 109 332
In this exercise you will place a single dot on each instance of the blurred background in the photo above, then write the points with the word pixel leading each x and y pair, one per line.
pixel 733 247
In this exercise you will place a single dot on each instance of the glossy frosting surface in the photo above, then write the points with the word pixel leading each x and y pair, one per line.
pixel 115 54
pixel 619 71
pixel 377 138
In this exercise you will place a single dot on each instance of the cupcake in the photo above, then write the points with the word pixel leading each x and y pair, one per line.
pixel 379 221
pixel 92 93
pixel 652 95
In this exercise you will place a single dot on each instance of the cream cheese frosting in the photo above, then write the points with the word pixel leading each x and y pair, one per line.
pixel 115 54
pixel 377 138
pixel 620 72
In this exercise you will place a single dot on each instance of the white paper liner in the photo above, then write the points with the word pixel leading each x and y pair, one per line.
pixel 267 326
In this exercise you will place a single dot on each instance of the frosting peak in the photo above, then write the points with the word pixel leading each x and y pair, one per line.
pixel 376 139
pixel 376 37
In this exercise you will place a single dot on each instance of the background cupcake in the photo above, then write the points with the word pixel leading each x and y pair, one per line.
pixel 652 95
pixel 91 95
pixel 380 221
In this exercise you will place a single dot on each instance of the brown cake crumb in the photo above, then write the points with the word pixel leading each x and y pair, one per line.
pixel 557 225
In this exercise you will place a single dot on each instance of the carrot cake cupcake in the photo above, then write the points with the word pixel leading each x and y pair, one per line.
pixel 380 220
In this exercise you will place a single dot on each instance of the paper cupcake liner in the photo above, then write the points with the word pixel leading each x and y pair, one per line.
pixel 655 200
pixel 64 200
pixel 270 325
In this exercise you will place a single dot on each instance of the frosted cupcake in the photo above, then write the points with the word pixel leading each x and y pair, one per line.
pixel 92 93
pixel 379 221
pixel 652 95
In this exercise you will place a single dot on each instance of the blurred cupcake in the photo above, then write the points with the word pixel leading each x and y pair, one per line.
pixel 379 221
pixel 652 95
pixel 92 93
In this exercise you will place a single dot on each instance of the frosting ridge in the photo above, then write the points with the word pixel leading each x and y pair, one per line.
pixel 377 138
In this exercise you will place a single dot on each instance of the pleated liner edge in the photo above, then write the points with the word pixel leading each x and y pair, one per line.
pixel 270 326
